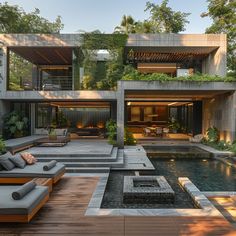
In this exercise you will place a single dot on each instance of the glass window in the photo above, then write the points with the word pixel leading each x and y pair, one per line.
pixel 20 73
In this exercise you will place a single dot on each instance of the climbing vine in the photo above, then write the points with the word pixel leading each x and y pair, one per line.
pixel 103 74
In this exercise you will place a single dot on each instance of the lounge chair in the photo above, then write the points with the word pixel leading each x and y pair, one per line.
pixel 29 172
pixel 196 139
pixel 159 131
pixel 146 131
pixel 24 209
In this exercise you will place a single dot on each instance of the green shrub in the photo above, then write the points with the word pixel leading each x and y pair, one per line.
pixel 133 74
pixel 61 121
pixel 213 135
pixel 111 128
pixel 129 138
pixel 15 125
pixel 222 145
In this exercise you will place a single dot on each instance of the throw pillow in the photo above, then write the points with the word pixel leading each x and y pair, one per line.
pixel 6 164
pixel 29 158
pixel 18 161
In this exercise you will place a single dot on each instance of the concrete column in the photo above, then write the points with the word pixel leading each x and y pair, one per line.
pixel 32 118
pixel 220 112
pixel 120 115
pixel 3 72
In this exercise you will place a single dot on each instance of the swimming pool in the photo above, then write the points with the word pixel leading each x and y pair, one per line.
pixel 206 174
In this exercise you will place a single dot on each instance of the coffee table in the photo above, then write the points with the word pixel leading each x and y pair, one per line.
pixel 46 142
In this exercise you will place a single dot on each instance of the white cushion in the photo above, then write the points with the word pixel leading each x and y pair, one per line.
pixel 41 131
pixel 61 132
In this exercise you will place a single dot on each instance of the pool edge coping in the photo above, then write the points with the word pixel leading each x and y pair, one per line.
pixel 207 208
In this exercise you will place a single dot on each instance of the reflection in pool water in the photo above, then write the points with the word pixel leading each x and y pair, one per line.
pixel 206 174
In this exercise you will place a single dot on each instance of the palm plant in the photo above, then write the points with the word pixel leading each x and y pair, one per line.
pixel 127 25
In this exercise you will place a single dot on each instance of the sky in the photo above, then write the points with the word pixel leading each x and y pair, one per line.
pixel 89 15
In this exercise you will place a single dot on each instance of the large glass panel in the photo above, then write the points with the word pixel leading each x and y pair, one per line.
pixel 20 73
pixel 44 115
pixel 55 77
pixel 86 117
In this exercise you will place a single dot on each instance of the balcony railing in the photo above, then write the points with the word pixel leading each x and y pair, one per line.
pixel 56 83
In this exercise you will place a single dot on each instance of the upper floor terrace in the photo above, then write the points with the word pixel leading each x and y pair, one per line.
pixel 59 62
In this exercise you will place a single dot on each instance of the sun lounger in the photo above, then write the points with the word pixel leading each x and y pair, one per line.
pixel 30 172
pixel 24 209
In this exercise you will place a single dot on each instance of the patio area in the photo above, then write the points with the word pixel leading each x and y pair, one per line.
pixel 65 214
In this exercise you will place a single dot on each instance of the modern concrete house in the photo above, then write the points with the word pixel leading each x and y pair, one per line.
pixel 50 81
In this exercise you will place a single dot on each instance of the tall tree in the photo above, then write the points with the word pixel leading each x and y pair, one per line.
pixel 165 20
pixel 127 25
pixel 13 19
pixel 223 14
pixel 162 19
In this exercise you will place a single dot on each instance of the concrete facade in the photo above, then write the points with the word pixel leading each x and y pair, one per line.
pixel 219 99
pixel 220 112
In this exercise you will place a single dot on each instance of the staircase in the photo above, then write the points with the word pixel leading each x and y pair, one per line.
pixel 88 163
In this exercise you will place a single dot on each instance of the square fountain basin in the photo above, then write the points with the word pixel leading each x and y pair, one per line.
pixel 147 189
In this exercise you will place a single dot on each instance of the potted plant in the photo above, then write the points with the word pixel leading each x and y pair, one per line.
pixel 52 133
pixel 174 125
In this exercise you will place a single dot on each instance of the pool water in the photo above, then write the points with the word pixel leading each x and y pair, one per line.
pixel 206 174
pixel 177 152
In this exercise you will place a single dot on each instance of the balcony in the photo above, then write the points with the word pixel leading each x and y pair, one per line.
pixel 56 83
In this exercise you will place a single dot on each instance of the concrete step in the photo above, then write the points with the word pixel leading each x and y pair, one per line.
pixel 112 158
pixel 117 164
pixel 87 170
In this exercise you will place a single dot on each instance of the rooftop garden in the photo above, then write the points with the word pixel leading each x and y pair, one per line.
pixel 131 73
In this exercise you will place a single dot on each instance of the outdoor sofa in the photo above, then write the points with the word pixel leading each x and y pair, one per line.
pixel 19 144
pixel 29 172
pixel 23 209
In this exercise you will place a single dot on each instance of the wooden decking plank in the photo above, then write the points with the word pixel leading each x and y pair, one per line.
pixel 64 215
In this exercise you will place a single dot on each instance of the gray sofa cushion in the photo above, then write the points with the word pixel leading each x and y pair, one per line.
pixel 32 171
pixel 49 165
pixel 25 206
pixel 23 190
pixel 6 155
pixel 18 161
pixel 7 164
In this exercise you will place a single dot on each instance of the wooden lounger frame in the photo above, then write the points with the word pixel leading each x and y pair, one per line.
pixel 20 180
pixel 24 218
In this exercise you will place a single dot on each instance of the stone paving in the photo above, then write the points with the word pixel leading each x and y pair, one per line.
pixel 76 148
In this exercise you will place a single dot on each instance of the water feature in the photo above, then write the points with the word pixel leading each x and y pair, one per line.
pixel 207 173
pixel 147 189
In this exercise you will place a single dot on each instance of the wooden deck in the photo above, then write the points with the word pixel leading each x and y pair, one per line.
pixel 64 215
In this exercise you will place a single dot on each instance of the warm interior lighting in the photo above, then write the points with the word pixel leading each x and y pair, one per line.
pixel 100 125
pixel 204 160
pixel 172 160
pixel 173 103
pixel 79 125
pixel 129 103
